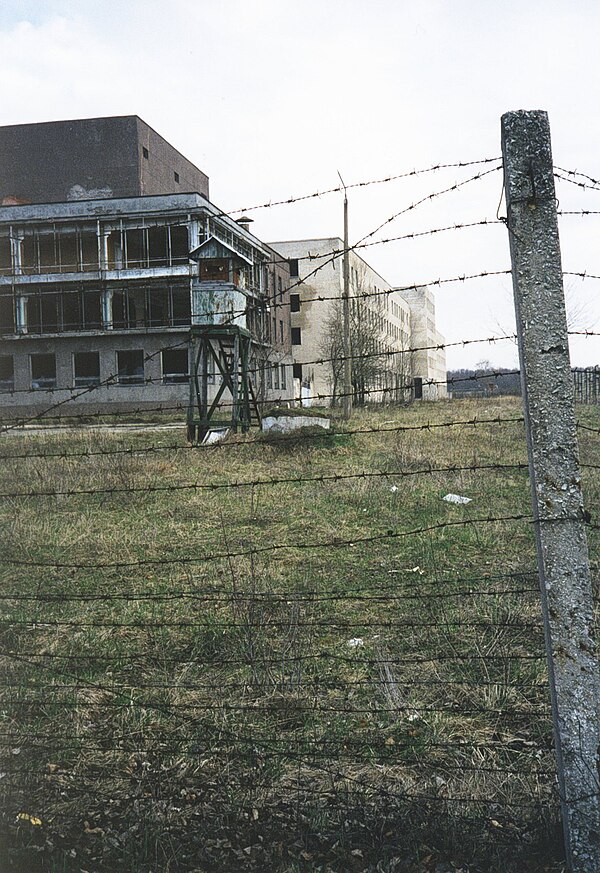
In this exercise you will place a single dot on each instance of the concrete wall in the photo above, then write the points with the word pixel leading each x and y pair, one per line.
pixel 429 362
pixel 91 158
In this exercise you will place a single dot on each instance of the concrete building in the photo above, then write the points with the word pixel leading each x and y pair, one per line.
pixel 91 158
pixel 386 324
pixel 97 295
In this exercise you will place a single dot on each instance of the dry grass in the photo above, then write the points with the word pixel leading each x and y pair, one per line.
pixel 211 714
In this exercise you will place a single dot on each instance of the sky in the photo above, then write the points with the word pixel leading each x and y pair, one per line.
pixel 272 98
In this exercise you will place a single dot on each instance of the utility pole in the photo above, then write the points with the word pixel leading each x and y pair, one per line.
pixel 346 310
pixel 558 512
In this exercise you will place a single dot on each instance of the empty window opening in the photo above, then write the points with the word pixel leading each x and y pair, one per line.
pixel 214 270
pixel 281 331
pixel 7 373
pixel 130 367
pixel 176 176
pixel 145 152
pixel 296 336
pixel 297 371
pixel 43 371
pixel 283 377
pixel 5 256
pixel 175 365
pixel 276 377
pixel 294 303
pixel 293 268
pixel 7 314
pixel 86 369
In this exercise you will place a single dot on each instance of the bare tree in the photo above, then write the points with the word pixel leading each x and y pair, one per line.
pixel 376 367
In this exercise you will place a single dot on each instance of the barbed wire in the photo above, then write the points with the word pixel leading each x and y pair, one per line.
pixel 274 547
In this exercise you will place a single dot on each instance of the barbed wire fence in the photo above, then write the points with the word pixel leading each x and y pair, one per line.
pixel 278 651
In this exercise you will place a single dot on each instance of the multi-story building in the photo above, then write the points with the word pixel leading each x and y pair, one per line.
pixel 98 293
pixel 386 324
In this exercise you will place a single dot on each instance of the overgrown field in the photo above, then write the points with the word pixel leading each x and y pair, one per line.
pixel 279 654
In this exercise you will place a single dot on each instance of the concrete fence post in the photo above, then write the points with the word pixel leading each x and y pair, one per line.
pixel 563 562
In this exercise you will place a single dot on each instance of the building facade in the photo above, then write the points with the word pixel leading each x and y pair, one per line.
pixel 97 298
pixel 386 325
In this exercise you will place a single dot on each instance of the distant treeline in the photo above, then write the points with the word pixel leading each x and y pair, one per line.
pixel 483 382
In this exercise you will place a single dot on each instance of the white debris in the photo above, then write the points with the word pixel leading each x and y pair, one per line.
pixel 355 642
pixel 215 436
pixel 393 489
pixel 456 498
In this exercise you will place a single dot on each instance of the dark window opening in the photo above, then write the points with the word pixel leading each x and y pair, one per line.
pixel 7 314
pixel 86 369
pixel 296 336
pixel 135 250
pixel 43 371
pixel 44 313
pixel 181 307
pixel 179 244
pixel 176 176
pixel 175 366
pixel 145 152
pixel 281 331
pixel 214 270
pixel 283 377
pixel 124 311
pixel 5 256
pixel 158 246
pixel 158 307
pixel 7 373
pixel 294 303
pixel 297 371
pixel 293 268
pixel 130 367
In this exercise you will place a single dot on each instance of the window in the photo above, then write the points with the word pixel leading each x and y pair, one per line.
pixel 281 331
pixel 130 367
pixel 145 152
pixel 7 373
pixel 7 317
pixel 86 369
pixel 43 371
pixel 283 378
pixel 269 376
pixel 296 337
pixel 294 303
pixel 175 366
pixel 276 377
pixel 293 268
pixel 280 286
pixel 176 176
pixel 297 371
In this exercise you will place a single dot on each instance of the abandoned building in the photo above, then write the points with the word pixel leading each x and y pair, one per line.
pixel 110 252
pixel 397 350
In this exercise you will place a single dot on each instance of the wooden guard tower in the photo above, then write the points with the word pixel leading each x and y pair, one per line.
pixel 220 343
pixel 220 352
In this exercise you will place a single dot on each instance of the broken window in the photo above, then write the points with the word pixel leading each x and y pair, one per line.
pixel 5 256
pixel 180 247
pixel 7 314
pixel 181 306
pixel 44 313
pixel 86 369
pixel 124 310
pixel 43 371
pixel 130 367
pixel 293 267
pixel 214 270
pixel 7 373
pixel 294 303
pixel 136 248
pixel 296 336
pixel 175 365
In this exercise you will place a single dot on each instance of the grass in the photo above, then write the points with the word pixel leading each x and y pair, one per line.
pixel 210 713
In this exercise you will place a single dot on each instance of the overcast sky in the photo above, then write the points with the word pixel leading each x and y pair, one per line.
pixel 272 97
